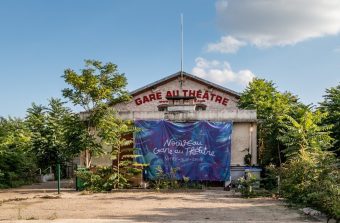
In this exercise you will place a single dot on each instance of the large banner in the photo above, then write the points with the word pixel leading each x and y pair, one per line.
pixel 198 150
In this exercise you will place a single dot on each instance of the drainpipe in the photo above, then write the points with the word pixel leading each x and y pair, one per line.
pixel 251 129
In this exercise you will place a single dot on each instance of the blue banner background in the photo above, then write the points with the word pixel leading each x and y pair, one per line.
pixel 198 150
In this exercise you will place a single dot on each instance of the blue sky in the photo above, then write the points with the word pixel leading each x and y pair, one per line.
pixel 295 43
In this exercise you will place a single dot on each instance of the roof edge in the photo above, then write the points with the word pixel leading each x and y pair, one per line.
pixel 194 77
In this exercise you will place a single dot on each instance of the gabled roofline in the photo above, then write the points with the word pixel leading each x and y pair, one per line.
pixel 175 75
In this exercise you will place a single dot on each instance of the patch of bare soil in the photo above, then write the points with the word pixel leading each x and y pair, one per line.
pixel 149 206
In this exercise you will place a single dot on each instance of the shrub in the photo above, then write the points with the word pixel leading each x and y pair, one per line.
pixel 16 169
pixel 170 181
pixel 165 180
pixel 102 179
pixel 270 179
pixel 313 179
pixel 246 185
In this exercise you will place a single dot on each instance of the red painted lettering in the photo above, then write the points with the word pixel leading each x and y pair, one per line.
pixel 218 99
pixel 192 93
pixel 168 94
pixel 177 93
pixel 212 96
pixel 159 95
pixel 185 92
pixel 152 97
pixel 145 99
pixel 199 94
pixel 225 101
pixel 174 93
pixel 138 101
pixel 206 95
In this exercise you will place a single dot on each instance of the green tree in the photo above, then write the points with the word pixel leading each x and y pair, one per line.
pixel 310 176
pixel 306 133
pixel 14 134
pixel 56 133
pixel 118 134
pixel 331 105
pixel 96 87
pixel 271 106
pixel 312 179
pixel 76 136
pixel 17 164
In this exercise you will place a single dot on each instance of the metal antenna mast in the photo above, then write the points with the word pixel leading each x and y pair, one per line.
pixel 181 49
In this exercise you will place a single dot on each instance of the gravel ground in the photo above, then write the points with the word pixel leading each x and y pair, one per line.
pixel 42 205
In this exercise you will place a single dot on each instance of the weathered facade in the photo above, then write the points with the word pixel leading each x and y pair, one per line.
pixel 183 97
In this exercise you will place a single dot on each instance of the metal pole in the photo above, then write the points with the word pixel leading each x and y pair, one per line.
pixel 182 45
pixel 58 177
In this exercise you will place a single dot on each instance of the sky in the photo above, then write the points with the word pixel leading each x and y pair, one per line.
pixel 294 43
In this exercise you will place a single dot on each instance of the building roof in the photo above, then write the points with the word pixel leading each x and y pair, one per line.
pixel 187 75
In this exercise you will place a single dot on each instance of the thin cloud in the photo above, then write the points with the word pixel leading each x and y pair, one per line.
pixel 266 23
pixel 227 44
pixel 221 72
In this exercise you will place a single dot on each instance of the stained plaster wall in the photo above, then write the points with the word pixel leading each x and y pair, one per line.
pixel 188 84
pixel 244 121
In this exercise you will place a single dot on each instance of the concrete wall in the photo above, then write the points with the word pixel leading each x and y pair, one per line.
pixel 243 135
pixel 103 160
pixel 212 115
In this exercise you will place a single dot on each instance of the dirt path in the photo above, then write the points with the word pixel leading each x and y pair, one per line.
pixel 199 206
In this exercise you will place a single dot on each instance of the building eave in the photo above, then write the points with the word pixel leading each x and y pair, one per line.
pixel 187 75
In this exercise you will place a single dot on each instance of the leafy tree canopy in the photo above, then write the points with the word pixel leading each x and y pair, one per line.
pixel 271 106
pixel 331 105
pixel 57 134
pixel 98 83
pixel 14 135
pixel 17 163
pixel 96 87
pixel 306 133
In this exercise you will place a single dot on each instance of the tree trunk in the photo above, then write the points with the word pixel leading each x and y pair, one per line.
pixel 118 159
pixel 87 158
pixel 279 153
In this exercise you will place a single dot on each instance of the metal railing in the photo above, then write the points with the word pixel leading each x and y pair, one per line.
pixel 44 171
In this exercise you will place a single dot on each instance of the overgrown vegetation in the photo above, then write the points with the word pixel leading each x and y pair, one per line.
pixel 102 179
pixel 17 162
pixel 246 185
pixel 116 134
pixel 94 89
pixel 57 134
pixel 169 181
pixel 271 106
pixel 311 174
pixel 54 134
pixel 331 105
pixel 298 144
pixel 312 179
pixel 295 141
